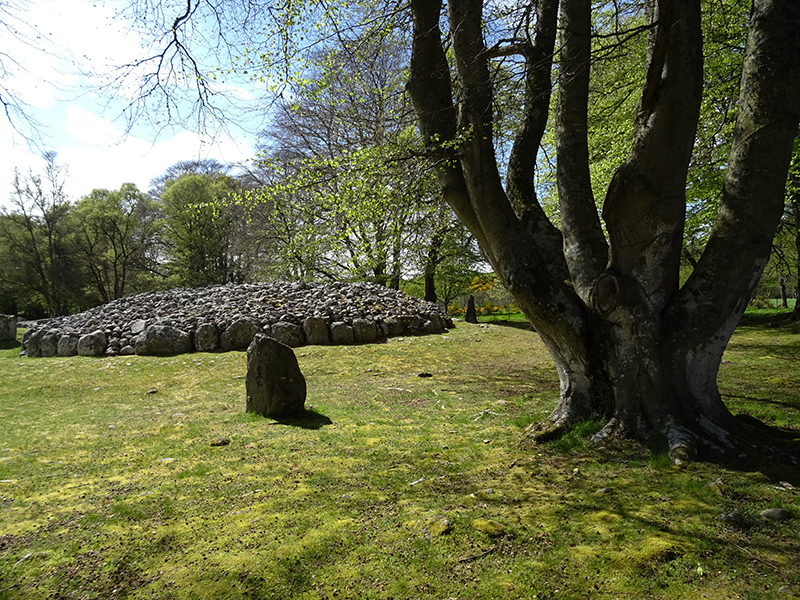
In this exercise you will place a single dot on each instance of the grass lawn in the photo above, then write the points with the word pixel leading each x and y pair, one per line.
pixel 397 486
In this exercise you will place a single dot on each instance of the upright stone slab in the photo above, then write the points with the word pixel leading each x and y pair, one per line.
pixel 163 340
pixel 341 333
pixel 43 342
pixel 68 344
pixel 239 334
pixel 288 334
pixel 472 315
pixel 31 342
pixel 206 338
pixel 92 344
pixel 393 326
pixel 316 330
pixel 365 331
pixel 274 384
pixel 8 328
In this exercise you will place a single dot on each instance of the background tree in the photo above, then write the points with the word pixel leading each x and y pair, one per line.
pixel 204 166
pixel 346 196
pixel 38 238
pixel 791 229
pixel 197 228
pixel 117 238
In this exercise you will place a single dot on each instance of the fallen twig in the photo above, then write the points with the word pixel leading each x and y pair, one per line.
pixel 476 556
pixel 761 560
pixel 486 412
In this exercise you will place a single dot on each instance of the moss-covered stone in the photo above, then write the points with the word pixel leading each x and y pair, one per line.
pixel 437 527
pixel 489 527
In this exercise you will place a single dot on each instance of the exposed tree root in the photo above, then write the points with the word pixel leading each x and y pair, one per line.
pixel 544 431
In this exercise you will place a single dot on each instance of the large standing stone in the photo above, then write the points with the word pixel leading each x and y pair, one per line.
pixel 288 334
pixel 8 328
pixel 163 340
pixel 316 331
pixel 239 335
pixel 92 344
pixel 206 338
pixel 275 386
pixel 472 315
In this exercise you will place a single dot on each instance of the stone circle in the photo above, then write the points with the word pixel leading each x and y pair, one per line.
pixel 228 316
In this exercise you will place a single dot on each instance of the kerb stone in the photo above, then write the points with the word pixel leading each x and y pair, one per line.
pixel 92 344
pixel 316 330
pixel 163 340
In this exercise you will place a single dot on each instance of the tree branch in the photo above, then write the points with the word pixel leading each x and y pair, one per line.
pixel 585 247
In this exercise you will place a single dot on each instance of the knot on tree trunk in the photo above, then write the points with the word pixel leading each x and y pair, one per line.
pixel 605 294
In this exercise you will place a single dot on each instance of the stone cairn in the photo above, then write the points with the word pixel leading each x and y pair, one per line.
pixel 227 317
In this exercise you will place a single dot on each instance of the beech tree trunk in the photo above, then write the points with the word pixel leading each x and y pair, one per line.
pixel 627 341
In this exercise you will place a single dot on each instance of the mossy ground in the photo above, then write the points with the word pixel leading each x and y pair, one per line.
pixel 109 487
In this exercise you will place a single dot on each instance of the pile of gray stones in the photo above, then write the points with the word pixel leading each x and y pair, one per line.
pixel 227 317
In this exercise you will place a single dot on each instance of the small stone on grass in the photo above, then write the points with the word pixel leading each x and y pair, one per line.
pixel 777 514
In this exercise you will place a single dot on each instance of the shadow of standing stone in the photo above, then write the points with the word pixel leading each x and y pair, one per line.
pixel 274 385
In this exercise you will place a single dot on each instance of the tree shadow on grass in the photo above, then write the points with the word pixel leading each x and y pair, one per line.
pixel 773 451
pixel 779 322
pixel 524 325
pixel 310 419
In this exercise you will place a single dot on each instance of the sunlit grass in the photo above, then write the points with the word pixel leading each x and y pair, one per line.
pixel 109 487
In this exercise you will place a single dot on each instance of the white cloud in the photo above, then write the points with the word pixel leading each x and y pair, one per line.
pixel 98 155
pixel 98 164
pixel 86 128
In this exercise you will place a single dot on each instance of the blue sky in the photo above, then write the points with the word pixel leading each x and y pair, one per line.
pixel 83 127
